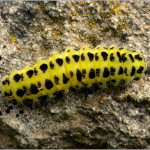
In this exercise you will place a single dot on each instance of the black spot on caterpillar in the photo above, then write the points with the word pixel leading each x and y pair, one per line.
pixel 73 69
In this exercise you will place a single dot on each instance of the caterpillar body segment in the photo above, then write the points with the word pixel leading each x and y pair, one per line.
pixel 116 71
pixel 74 68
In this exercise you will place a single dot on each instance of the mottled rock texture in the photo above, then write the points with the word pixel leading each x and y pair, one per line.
pixel 114 117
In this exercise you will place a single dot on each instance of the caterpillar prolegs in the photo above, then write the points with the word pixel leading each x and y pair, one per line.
pixel 74 68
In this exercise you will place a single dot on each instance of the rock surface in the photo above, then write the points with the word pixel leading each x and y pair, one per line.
pixel 115 117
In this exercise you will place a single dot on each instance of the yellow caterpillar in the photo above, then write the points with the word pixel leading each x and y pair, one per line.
pixel 74 68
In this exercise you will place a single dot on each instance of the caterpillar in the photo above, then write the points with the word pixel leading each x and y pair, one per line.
pixel 73 68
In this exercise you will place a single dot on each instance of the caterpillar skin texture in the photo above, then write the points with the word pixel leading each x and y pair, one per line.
pixel 73 68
